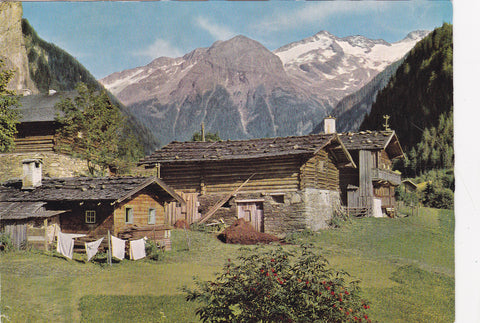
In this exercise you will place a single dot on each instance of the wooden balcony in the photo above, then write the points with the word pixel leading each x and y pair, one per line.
pixel 384 175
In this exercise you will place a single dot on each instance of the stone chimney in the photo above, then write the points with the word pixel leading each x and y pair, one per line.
pixel 329 125
pixel 32 173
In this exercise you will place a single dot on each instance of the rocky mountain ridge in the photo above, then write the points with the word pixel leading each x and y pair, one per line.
pixel 240 89
pixel 333 67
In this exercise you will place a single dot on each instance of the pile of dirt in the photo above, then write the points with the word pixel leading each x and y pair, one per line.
pixel 181 224
pixel 241 232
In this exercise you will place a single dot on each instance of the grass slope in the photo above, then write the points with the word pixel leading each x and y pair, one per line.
pixel 406 268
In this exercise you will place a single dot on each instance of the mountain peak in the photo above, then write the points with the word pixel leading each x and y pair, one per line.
pixel 324 33
pixel 416 35
pixel 237 41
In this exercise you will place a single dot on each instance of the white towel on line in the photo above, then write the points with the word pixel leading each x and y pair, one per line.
pixel 65 243
pixel 118 248
pixel 92 248
pixel 137 249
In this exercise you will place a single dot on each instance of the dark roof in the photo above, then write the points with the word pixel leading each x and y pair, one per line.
pixel 24 210
pixel 115 189
pixel 373 140
pixel 241 149
pixel 41 107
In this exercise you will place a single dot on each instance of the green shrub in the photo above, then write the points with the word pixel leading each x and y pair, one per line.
pixel 276 286
pixel 6 242
pixel 153 251
pixel 438 197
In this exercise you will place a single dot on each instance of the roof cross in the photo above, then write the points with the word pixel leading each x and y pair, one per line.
pixel 386 125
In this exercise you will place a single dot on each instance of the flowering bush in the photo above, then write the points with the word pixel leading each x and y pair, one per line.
pixel 276 286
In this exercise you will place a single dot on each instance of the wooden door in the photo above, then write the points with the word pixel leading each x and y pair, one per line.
pixel 17 232
pixel 252 212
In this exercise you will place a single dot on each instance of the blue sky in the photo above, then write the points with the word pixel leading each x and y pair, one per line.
pixel 108 37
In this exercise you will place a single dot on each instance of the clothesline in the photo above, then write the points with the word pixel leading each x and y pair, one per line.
pixel 65 243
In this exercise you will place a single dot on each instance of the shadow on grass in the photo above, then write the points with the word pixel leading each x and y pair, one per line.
pixel 123 308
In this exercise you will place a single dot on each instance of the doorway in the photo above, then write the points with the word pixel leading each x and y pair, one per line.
pixel 252 212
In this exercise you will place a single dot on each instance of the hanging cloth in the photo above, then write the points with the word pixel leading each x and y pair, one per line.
pixel 65 243
pixel 118 248
pixel 92 248
pixel 137 249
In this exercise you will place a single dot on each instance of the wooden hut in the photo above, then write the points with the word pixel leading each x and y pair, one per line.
pixel 278 184
pixel 37 127
pixel 129 207
pixel 29 222
pixel 370 189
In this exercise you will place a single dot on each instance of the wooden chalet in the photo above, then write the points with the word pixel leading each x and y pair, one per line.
pixel 370 189
pixel 278 184
pixel 37 127
pixel 128 207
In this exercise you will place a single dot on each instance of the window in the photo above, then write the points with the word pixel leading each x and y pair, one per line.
pixel 151 216
pixel 278 198
pixel 129 215
pixel 90 216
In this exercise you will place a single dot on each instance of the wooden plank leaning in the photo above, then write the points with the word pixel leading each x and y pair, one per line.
pixel 223 201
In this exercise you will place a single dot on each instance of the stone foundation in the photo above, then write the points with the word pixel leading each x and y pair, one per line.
pixel 283 213
pixel 54 165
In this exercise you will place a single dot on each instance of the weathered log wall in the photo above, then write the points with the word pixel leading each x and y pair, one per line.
pixel 320 172
pixel 217 177
pixel 74 221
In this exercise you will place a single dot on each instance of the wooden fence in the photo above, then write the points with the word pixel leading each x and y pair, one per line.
pixel 189 213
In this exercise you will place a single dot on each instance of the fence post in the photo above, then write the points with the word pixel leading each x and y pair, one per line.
pixel 45 236
pixel 109 254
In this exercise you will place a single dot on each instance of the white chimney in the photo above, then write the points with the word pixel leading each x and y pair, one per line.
pixel 32 173
pixel 329 125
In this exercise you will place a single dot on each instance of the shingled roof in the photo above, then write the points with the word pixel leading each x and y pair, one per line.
pixel 24 210
pixel 244 149
pixel 41 107
pixel 114 189
pixel 373 140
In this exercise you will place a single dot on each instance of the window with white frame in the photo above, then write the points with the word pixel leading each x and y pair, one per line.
pixel 90 216
pixel 151 216
pixel 129 215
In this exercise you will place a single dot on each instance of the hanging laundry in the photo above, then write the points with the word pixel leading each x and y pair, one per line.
pixel 92 248
pixel 137 249
pixel 118 248
pixel 65 243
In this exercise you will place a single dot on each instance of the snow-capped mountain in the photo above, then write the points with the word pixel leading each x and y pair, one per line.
pixel 334 67
pixel 240 89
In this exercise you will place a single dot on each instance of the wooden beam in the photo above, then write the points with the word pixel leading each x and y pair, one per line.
pixel 223 201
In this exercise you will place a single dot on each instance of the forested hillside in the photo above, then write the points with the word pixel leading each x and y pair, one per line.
pixel 419 100
pixel 50 66
pixel 419 93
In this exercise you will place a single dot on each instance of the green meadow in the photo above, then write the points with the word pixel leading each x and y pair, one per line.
pixel 405 267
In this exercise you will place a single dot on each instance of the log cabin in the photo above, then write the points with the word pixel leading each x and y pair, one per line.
pixel 128 207
pixel 279 185
pixel 37 127
pixel 369 189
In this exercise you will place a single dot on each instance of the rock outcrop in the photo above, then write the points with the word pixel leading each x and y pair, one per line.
pixel 12 47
